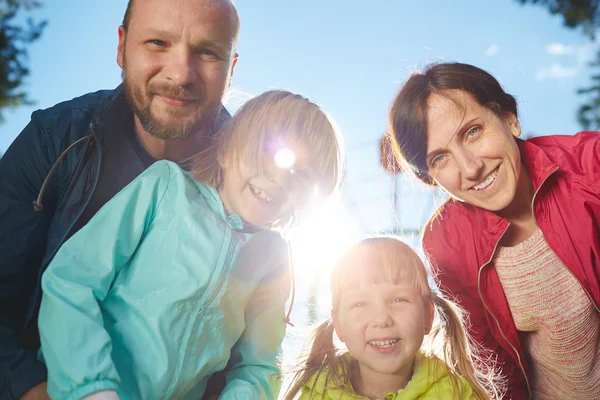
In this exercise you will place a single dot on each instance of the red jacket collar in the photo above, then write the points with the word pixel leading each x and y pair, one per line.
pixel 536 162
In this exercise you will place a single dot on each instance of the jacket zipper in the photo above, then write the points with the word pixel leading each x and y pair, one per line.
pixel 222 278
pixel 62 240
pixel 568 269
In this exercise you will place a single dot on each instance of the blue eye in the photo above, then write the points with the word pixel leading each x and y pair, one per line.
pixel 437 160
pixel 473 131
pixel 400 300
pixel 157 42
pixel 210 54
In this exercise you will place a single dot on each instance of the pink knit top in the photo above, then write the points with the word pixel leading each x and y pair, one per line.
pixel 559 325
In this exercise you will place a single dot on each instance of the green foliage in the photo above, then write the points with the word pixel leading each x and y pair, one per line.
pixel 588 114
pixel 13 51
pixel 584 14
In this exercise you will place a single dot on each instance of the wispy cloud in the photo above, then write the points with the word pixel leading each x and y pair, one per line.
pixel 582 53
pixel 492 50
pixel 576 58
pixel 235 98
pixel 556 71
pixel 559 49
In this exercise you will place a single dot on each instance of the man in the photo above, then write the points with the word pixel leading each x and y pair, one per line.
pixel 177 58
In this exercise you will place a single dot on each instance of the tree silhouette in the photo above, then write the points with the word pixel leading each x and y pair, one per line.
pixel 13 51
pixel 584 14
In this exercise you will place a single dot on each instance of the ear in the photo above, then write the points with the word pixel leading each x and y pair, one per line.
pixel 429 314
pixel 226 157
pixel 236 56
pixel 121 46
pixel 337 327
pixel 513 124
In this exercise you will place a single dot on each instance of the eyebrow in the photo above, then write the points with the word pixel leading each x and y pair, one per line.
pixel 202 43
pixel 459 130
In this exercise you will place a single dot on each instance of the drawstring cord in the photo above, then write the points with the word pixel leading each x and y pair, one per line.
pixel 293 286
pixel 37 204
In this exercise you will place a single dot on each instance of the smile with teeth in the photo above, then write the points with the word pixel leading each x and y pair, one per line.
pixel 383 343
pixel 488 181
pixel 261 194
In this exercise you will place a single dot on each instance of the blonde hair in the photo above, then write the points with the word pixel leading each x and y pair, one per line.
pixel 272 117
pixel 448 340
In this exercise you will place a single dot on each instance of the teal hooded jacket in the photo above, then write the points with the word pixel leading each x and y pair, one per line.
pixel 158 291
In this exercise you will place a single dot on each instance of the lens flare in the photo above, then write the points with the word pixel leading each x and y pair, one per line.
pixel 285 158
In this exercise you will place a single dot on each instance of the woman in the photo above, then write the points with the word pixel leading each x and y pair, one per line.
pixel 518 243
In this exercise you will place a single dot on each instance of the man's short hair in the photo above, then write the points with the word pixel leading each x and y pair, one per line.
pixel 127 15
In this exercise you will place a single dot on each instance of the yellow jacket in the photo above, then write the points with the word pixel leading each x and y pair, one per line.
pixel 430 381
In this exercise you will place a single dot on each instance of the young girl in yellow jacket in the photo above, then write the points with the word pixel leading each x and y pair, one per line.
pixel 383 309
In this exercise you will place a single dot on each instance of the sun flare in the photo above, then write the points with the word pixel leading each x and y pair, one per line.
pixel 320 240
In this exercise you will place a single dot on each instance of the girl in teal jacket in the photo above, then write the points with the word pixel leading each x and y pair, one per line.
pixel 182 272
pixel 383 309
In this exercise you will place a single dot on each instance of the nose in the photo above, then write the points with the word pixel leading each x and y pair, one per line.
pixel 181 67
pixel 381 317
pixel 470 165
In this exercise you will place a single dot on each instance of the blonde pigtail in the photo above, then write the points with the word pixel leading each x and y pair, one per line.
pixel 462 356
pixel 322 355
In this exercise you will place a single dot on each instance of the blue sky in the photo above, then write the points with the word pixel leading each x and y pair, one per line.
pixel 349 56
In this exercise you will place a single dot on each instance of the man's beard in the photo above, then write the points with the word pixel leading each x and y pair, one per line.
pixel 183 128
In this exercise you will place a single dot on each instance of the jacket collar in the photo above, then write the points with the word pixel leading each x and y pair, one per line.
pixel 113 117
pixel 537 163
pixel 427 372
pixel 213 199
pixel 538 166
pixel 322 384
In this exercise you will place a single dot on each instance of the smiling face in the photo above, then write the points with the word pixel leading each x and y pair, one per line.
pixel 472 152
pixel 268 193
pixel 177 59
pixel 280 156
pixel 381 317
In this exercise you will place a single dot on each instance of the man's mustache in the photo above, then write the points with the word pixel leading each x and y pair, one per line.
pixel 175 92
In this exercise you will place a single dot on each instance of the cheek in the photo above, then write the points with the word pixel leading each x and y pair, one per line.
pixel 351 335
pixel 214 75
pixel 418 329
pixel 232 180
pixel 515 153
pixel 150 65
pixel 239 181
pixel 139 61
pixel 499 146
pixel 349 325
pixel 449 181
